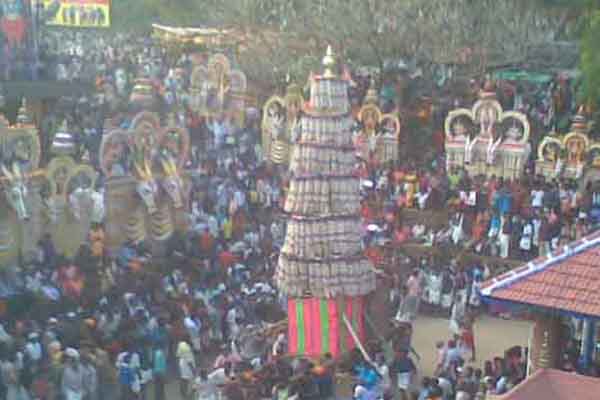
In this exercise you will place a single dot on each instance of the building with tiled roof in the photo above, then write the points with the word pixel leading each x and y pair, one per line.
pixel 551 384
pixel 567 280
pixel 564 283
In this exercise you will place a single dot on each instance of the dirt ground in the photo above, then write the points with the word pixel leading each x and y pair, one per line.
pixel 492 337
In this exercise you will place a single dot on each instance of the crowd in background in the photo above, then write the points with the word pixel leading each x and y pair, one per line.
pixel 517 219
pixel 121 325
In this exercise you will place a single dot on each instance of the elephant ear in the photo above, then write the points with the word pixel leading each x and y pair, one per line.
pixel 138 161
pixel 173 165
pixel 147 168
pixel 140 171
pixel 166 166
pixel 17 170
pixel 6 172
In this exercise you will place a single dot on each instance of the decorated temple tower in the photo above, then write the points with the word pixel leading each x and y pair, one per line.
pixel 322 269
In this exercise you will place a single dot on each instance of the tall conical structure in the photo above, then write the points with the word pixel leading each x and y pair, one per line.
pixel 322 268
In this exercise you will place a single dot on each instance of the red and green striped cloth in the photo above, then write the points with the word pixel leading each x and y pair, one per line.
pixel 316 326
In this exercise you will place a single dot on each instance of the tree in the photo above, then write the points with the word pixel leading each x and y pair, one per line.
pixel 140 14
pixel 590 60
pixel 287 37
pixel 587 15
pixel 372 32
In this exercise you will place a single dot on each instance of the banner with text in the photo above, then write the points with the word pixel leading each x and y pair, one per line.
pixel 78 13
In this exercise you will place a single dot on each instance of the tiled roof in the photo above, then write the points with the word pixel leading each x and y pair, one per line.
pixel 551 384
pixel 568 280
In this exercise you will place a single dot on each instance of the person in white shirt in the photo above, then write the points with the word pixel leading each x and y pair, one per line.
pixel 205 389
pixel 220 129
pixel 187 366
pixel 193 326
pixel 279 346
pixel 73 383
pixel 234 329
pixel 5 338
pixel 502 385
pixel 131 363
pixel 90 378
pixel 384 371
pixel 537 197
pixel 219 377
pixel 453 354
pixel 422 197
pixel 33 349
pixel 240 198
pixel 526 240
pixel 537 224
pixel 446 386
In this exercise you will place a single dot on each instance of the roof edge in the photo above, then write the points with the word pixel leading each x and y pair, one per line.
pixel 567 251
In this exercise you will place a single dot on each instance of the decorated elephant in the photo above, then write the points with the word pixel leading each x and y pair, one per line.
pixel 146 186
pixel 16 190
pixel 171 182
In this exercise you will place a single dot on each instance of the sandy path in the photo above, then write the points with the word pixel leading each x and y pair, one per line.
pixel 492 337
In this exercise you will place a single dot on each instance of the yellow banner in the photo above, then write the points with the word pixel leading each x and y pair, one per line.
pixel 78 13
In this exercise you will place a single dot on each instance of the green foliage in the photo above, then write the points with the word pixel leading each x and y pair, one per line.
pixel 373 32
pixel 590 60
pixel 140 14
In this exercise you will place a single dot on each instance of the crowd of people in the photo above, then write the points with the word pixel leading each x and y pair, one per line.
pixel 105 325
pixel 518 219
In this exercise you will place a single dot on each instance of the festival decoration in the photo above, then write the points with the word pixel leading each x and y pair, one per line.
pixel 280 118
pixel 63 142
pixel 173 153
pixel 380 133
pixel 20 156
pixel 569 156
pixel 20 215
pixel 208 37
pixel 37 200
pixel 16 190
pixel 314 325
pixel 57 173
pixel 146 183
pixel 322 256
pixel 85 202
pixel 486 139
pixel 143 95
pixel 218 89
pixel 71 202
pixel 79 13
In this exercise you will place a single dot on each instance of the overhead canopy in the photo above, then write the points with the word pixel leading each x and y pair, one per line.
pixel 521 75
pixel 199 36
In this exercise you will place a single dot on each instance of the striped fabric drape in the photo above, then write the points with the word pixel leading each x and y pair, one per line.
pixel 316 326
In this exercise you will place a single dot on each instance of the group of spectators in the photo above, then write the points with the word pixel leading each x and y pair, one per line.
pixel 518 219
pixel 105 325
pixel 118 324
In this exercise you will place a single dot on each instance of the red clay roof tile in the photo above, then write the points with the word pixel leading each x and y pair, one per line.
pixel 571 282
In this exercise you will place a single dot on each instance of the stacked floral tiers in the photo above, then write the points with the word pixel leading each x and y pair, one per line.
pixel 322 255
